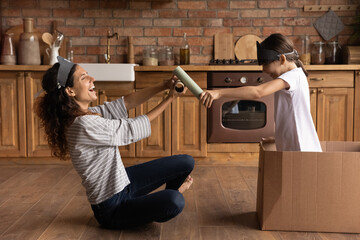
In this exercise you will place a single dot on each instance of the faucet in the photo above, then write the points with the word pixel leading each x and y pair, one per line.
pixel 107 55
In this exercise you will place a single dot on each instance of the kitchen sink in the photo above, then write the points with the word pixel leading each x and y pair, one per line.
pixel 122 72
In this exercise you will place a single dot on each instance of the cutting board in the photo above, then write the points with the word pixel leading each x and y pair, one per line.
pixel 245 47
pixel 224 46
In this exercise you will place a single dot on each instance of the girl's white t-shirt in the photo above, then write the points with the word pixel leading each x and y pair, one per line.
pixel 294 127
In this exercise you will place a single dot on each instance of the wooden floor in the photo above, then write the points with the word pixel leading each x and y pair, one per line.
pixel 48 202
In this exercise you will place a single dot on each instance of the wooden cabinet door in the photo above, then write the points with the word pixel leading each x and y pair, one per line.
pixel 159 143
pixel 110 91
pixel 357 107
pixel 37 145
pixel 313 103
pixel 335 114
pixel 189 126
pixel 12 115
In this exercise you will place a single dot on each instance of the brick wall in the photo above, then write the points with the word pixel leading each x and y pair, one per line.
pixel 163 22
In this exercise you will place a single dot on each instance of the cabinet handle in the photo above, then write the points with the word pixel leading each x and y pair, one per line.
pixel 313 91
pixel 101 92
pixel 316 79
pixel 321 90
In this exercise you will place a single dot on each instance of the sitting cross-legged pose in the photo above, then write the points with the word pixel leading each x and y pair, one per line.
pixel 120 197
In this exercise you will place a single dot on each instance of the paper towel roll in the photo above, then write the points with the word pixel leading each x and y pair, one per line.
pixel 179 86
pixel 187 80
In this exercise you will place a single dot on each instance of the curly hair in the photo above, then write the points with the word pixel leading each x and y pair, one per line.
pixel 57 110
pixel 281 44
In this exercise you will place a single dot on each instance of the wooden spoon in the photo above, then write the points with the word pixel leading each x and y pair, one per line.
pixel 47 38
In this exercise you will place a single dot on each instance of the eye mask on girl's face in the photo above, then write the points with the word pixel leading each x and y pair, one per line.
pixel 265 55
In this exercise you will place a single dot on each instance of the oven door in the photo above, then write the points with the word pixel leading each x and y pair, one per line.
pixel 231 120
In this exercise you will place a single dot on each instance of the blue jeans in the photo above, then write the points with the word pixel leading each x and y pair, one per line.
pixel 134 206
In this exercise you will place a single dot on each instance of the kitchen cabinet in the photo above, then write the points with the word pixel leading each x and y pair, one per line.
pixel 37 145
pixel 180 129
pixel 12 115
pixel 332 104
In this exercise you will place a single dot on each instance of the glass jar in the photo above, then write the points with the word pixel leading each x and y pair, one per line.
pixel 318 53
pixel 332 51
pixel 305 56
pixel 150 57
pixel 8 55
pixel 166 57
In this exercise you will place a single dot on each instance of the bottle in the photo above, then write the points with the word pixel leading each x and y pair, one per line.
pixel 332 51
pixel 70 51
pixel 318 53
pixel 185 52
pixel 8 55
pixel 29 49
pixel 305 53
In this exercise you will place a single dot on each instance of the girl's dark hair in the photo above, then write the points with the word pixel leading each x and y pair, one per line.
pixel 282 44
pixel 57 110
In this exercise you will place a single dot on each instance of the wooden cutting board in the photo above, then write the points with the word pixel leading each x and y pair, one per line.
pixel 224 46
pixel 245 47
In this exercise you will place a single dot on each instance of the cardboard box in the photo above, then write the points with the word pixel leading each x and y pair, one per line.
pixel 309 191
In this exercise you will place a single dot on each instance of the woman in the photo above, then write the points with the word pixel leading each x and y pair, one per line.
pixel 118 196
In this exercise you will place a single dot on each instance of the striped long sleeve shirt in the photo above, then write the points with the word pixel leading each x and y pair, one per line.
pixel 93 145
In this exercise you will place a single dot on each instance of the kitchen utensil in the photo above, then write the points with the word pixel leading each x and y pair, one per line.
pixel 224 46
pixel 329 25
pixel 59 38
pixel 245 47
pixel 63 47
pixel 47 38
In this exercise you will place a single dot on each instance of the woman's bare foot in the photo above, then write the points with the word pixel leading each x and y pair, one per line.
pixel 186 185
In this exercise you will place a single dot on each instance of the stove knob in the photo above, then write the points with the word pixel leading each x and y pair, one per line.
pixel 243 80
pixel 228 80
pixel 260 80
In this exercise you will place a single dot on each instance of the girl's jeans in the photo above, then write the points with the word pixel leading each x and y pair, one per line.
pixel 134 206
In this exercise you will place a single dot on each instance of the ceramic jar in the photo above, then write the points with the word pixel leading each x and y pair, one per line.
pixel 29 50
pixel 8 55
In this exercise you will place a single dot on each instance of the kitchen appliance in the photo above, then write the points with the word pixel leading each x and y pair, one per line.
pixel 231 120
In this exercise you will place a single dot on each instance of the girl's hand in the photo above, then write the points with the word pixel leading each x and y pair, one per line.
pixel 207 97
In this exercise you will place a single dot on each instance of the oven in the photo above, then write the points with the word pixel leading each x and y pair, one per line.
pixel 231 120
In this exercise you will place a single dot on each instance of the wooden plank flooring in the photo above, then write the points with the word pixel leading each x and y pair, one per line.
pixel 48 202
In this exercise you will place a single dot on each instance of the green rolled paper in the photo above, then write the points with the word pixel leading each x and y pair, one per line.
pixel 187 80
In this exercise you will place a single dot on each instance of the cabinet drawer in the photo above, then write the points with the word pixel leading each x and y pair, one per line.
pixel 331 78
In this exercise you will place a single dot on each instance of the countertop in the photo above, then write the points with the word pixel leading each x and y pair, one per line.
pixel 194 68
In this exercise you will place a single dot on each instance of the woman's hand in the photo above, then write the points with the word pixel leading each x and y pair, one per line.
pixel 207 97
pixel 170 84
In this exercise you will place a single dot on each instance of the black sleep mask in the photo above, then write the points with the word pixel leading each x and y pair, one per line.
pixel 266 55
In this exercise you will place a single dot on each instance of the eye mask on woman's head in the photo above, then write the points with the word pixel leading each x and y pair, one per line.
pixel 64 70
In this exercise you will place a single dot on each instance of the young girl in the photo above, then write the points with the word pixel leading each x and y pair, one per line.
pixel 294 128
pixel 118 196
